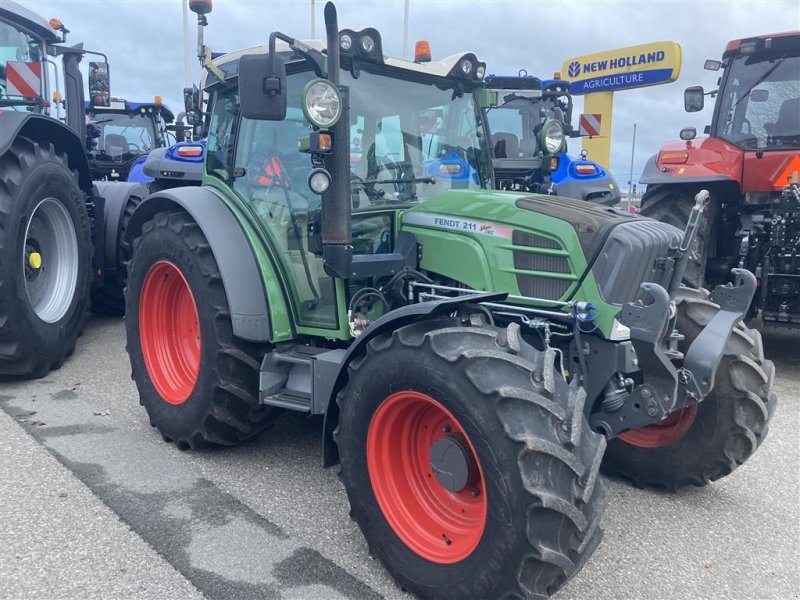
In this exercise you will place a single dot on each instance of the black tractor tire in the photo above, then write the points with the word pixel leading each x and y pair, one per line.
pixel 672 204
pixel 218 404
pixel 39 193
pixel 109 299
pixel 538 458
pixel 730 423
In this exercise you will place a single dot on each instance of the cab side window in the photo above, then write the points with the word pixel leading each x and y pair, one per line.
pixel 220 135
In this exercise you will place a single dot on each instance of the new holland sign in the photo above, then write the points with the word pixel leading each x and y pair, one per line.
pixel 624 68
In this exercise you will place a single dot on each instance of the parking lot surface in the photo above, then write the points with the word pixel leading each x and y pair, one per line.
pixel 93 503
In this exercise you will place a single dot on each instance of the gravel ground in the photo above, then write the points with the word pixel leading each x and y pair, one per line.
pixel 142 519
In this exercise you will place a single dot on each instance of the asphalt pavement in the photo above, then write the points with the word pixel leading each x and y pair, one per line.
pixel 94 504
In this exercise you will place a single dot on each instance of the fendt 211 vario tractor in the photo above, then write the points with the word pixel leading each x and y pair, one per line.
pixel 530 120
pixel 476 354
pixel 750 162
pixel 58 230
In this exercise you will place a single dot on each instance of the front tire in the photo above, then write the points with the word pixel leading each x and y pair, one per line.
pixel 707 441
pixel 197 381
pixel 516 513
pixel 45 259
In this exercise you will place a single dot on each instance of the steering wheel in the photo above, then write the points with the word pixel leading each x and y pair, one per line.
pixel 134 147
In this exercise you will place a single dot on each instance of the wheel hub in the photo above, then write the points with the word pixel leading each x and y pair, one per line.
pixel 453 464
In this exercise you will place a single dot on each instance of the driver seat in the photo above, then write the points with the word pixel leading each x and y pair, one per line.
pixel 505 145
pixel 115 144
pixel 788 122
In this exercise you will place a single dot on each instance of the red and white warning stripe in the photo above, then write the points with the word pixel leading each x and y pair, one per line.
pixel 23 79
pixel 589 124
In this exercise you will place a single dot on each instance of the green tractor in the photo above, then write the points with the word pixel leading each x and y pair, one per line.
pixel 477 355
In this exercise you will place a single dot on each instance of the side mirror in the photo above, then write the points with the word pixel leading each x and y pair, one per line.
pixel 192 106
pixel 694 98
pixel 99 86
pixel 262 87
pixel 759 95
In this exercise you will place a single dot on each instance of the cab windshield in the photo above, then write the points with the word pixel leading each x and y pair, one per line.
pixel 123 133
pixel 408 140
pixel 760 104
pixel 18 48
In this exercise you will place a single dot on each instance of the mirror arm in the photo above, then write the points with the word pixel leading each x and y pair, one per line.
pixel 304 50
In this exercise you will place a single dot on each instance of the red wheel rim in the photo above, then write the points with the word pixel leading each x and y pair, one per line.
pixel 667 432
pixel 169 329
pixel 437 524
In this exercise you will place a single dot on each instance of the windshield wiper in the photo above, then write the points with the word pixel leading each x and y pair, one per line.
pixel 411 180
pixel 761 79
pixel 21 102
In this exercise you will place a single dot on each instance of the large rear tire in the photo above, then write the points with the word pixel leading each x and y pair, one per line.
pixel 516 512
pixel 672 204
pixel 706 442
pixel 45 259
pixel 197 381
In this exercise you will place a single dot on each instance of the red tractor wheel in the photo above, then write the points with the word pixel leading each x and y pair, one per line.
pixel 667 432
pixel 426 477
pixel 197 381
pixel 471 473
pixel 169 328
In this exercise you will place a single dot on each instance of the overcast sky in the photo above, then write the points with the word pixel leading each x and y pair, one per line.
pixel 143 40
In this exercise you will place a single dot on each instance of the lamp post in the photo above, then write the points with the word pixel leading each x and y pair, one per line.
pixel 633 152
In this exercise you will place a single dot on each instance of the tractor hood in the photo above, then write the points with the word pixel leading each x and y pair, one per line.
pixel 543 247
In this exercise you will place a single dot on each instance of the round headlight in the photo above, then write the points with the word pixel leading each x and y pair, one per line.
pixel 480 71
pixel 346 41
pixel 322 104
pixel 319 180
pixel 367 43
pixel 466 66
pixel 552 136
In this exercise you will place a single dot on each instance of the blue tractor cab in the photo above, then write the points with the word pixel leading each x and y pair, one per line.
pixel 530 120
pixel 119 135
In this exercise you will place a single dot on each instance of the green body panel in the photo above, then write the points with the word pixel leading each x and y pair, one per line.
pixel 279 313
pixel 466 236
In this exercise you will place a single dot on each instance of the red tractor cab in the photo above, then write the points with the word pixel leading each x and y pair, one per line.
pixel 750 163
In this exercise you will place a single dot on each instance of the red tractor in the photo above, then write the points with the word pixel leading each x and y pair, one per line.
pixel 750 163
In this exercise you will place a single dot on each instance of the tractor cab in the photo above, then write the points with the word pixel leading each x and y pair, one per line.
pixel 23 66
pixel 124 131
pixel 530 119
pixel 415 132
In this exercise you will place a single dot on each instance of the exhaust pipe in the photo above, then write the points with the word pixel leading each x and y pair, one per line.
pixel 337 249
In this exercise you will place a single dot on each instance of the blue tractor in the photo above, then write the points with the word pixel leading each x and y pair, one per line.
pixel 120 134
pixel 530 120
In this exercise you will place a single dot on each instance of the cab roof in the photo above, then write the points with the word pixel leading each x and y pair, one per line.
pixel 27 19
pixel 441 68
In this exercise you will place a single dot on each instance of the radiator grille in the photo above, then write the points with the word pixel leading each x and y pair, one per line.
pixel 537 286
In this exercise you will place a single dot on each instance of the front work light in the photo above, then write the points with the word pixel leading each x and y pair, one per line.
pixel 551 137
pixel 319 180
pixel 346 41
pixel 367 43
pixel 322 103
